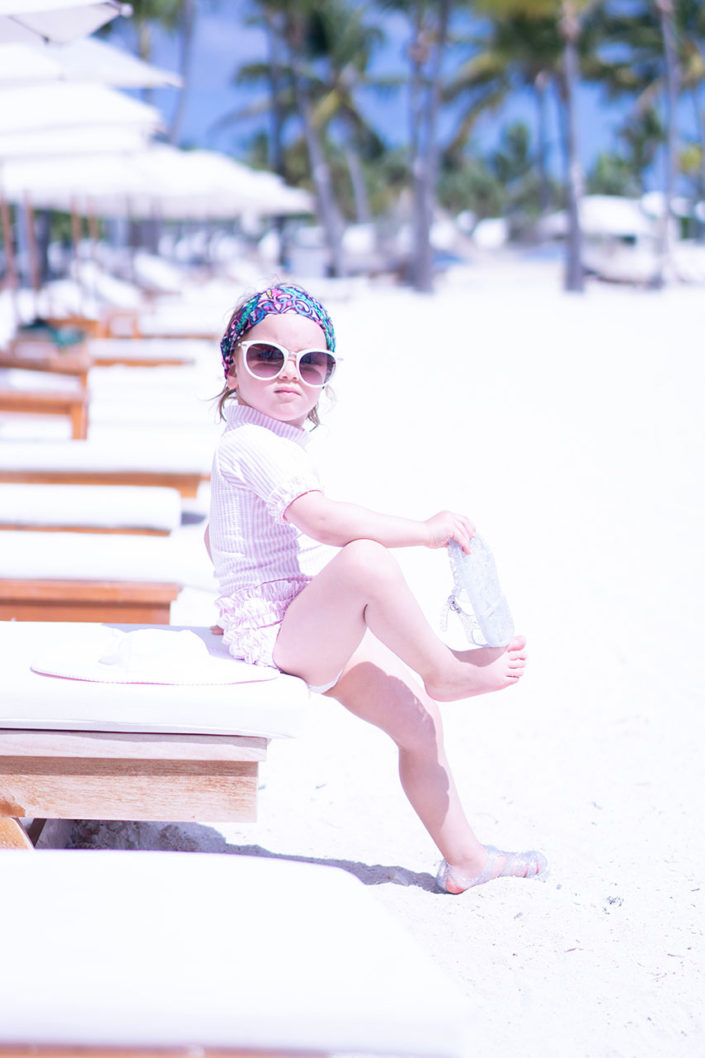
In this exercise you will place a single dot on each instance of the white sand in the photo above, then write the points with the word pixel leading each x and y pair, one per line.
pixel 571 430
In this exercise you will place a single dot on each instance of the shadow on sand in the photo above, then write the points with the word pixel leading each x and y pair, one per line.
pixel 195 837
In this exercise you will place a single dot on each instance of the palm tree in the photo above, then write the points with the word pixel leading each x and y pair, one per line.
pixel 296 30
pixel 429 22
pixel 570 32
pixel 662 43
pixel 186 29
pixel 173 16
pixel 690 23
pixel 567 18
pixel 318 60
pixel 672 88
pixel 511 52
pixel 344 39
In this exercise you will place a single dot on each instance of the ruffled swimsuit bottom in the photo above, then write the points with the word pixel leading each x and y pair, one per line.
pixel 251 619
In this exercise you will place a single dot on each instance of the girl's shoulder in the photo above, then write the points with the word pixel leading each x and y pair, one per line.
pixel 249 436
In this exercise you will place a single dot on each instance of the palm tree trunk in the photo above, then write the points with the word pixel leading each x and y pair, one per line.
pixel 573 279
pixel 417 55
pixel 424 139
pixel 186 32
pixel 320 170
pixel 275 37
pixel 363 213
pixel 274 31
pixel 700 183
pixel 144 51
pixel 665 10
pixel 540 85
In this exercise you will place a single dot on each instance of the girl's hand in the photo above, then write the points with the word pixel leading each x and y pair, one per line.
pixel 446 526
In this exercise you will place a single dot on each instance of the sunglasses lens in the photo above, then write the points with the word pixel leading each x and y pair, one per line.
pixel 316 367
pixel 264 360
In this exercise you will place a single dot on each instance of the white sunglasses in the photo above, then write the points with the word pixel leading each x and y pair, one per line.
pixel 267 360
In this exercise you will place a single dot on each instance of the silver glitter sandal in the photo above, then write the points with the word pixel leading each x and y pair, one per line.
pixel 477 597
pixel 530 864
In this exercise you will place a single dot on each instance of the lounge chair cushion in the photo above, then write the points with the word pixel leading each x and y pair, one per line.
pixel 90 506
pixel 153 349
pixel 22 381
pixel 194 950
pixel 272 707
pixel 101 456
pixel 175 656
pixel 100 556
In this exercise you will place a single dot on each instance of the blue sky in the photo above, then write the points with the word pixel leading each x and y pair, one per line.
pixel 222 42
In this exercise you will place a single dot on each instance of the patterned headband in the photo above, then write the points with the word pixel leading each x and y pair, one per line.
pixel 274 301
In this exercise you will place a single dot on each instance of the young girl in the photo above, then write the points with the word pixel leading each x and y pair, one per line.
pixel 349 624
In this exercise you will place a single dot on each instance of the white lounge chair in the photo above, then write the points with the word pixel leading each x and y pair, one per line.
pixel 25 392
pixel 43 355
pixel 89 577
pixel 148 352
pixel 175 464
pixel 87 743
pixel 162 954
pixel 90 508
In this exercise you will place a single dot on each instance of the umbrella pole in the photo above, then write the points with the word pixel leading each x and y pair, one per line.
pixel 93 241
pixel 76 240
pixel 10 262
pixel 34 271
pixel 130 245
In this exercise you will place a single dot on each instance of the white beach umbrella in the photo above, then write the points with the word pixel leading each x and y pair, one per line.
pixel 67 106
pixel 44 114
pixel 95 61
pixel 29 21
pixel 213 185
pixel 67 180
pixel 158 180
pixel 82 61
pixel 86 140
pixel 23 64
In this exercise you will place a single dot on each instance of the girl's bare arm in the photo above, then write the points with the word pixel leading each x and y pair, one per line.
pixel 336 523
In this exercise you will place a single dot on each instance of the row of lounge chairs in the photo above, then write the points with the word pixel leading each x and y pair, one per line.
pixel 87 532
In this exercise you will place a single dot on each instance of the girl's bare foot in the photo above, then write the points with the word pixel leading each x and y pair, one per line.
pixel 479 671
pixel 499 864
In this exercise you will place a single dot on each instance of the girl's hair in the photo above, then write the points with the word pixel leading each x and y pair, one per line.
pixel 250 309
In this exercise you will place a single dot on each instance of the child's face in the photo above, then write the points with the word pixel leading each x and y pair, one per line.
pixel 286 398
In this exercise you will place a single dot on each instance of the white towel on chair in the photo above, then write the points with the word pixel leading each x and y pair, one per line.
pixel 146 655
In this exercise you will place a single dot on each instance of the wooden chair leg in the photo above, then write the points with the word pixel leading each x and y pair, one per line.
pixel 34 830
pixel 13 835
pixel 79 421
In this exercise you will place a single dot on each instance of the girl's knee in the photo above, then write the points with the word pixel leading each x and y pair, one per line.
pixel 367 558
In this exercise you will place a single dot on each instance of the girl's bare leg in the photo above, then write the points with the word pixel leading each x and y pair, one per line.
pixel 363 588
pixel 378 688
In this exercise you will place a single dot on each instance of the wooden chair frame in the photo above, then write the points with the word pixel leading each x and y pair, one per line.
pixel 38 402
pixel 122 602
pixel 187 482
pixel 35 354
pixel 96 775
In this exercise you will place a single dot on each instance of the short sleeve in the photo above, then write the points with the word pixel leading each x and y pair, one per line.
pixel 277 469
